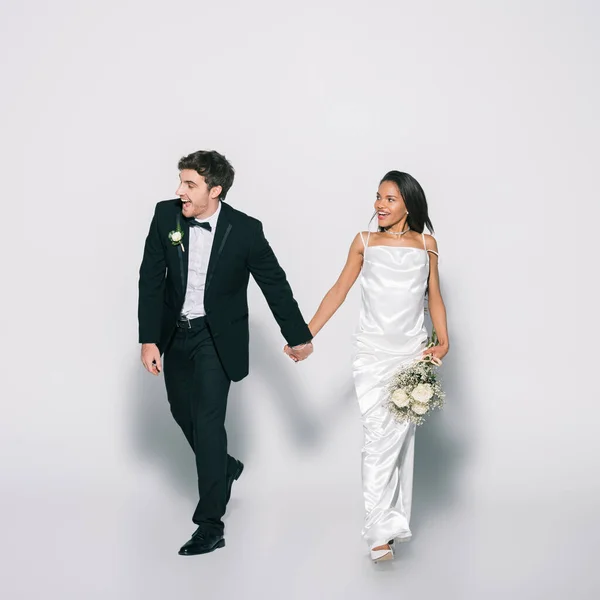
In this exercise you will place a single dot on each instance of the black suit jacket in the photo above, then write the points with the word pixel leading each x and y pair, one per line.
pixel 239 250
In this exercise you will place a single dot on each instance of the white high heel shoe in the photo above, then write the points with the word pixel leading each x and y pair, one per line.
pixel 381 555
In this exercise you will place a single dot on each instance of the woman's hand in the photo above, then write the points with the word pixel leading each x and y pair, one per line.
pixel 437 352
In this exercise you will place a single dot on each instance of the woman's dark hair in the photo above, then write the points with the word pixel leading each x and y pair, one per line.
pixel 214 167
pixel 414 198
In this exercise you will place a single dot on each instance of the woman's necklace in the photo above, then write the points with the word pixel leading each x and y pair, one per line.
pixel 398 232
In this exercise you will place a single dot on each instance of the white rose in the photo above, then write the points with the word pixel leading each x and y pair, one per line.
pixel 423 392
pixel 176 236
pixel 419 408
pixel 400 398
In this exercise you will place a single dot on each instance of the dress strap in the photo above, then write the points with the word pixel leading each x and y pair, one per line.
pixel 425 246
pixel 365 244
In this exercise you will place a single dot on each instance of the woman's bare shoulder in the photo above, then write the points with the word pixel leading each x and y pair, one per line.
pixel 431 243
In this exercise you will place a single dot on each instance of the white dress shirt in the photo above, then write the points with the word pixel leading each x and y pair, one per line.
pixel 200 246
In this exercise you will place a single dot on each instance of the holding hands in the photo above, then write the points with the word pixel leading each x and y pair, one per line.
pixel 298 353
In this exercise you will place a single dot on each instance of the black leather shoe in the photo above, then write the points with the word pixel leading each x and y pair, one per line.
pixel 202 542
pixel 233 476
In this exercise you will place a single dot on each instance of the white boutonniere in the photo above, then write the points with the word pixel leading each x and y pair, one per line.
pixel 176 237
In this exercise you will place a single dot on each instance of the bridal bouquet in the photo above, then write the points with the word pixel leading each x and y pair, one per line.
pixel 415 390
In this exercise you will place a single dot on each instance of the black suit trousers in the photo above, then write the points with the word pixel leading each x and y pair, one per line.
pixel 197 389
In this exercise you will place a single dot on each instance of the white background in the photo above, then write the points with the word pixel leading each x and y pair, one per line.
pixel 492 106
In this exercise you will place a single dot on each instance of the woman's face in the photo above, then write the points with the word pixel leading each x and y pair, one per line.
pixel 389 205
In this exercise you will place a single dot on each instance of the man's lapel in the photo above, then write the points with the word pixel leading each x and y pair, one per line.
pixel 183 251
pixel 222 232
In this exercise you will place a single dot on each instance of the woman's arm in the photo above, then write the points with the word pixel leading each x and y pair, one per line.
pixel 437 310
pixel 335 297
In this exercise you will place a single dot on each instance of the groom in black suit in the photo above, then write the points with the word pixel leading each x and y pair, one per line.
pixel 193 308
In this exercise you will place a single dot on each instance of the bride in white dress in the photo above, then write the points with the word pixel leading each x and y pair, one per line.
pixel 398 266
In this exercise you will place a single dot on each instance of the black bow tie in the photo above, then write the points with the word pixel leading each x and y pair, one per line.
pixel 204 224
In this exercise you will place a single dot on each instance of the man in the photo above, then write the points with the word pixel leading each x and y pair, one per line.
pixel 193 308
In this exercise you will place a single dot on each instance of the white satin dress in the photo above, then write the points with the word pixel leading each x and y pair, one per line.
pixel 390 334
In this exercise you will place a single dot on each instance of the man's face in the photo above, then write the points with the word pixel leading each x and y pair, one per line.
pixel 197 200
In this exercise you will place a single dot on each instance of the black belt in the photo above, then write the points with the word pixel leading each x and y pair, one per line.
pixel 185 323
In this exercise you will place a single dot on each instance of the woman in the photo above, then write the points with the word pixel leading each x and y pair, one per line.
pixel 399 265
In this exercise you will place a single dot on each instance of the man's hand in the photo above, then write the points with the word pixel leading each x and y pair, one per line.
pixel 151 358
pixel 298 353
